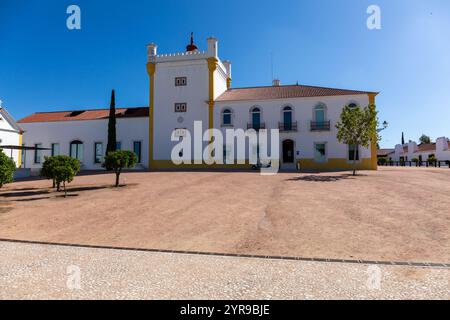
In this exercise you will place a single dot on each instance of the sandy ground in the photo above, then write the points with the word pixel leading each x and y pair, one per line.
pixel 397 214
pixel 29 271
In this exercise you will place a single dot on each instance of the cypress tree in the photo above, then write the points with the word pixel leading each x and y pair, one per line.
pixel 111 147
pixel 403 139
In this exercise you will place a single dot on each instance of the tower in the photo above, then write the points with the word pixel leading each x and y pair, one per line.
pixel 183 88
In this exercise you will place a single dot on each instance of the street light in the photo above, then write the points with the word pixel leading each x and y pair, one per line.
pixel 385 125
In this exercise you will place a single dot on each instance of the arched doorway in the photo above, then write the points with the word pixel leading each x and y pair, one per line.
pixel 288 151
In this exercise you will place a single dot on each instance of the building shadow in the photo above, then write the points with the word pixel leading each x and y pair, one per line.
pixel 322 178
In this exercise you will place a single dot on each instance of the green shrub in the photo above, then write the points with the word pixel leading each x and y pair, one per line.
pixel 57 169
pixel 382 161
pixel 415 160
pixel 7 168
pixel 119 160
pixel 432 159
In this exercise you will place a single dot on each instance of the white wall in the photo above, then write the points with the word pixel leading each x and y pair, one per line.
pixel 89 132
pixel 195 94
pixel 304 139
pixel 9 136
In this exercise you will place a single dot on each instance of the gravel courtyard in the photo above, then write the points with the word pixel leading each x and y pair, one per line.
pixel 395 214
pixel 30 271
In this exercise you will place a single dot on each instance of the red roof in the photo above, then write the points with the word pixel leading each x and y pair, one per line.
pixel 284 92
pixel 78 115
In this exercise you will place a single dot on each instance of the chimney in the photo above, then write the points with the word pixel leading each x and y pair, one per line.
pixel 151 51
pixel 276 82
pixel 227 65
pixel 212 47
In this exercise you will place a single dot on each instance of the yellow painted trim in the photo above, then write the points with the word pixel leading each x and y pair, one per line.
pixel 212 66
pixel 168 164
pixel 373 149
pixel 19 159
pixel 151 67
pixel 335 164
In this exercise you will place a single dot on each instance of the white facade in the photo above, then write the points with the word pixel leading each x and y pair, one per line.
pixel 10 135
pixel 202 96
pixel 190 86
pixel 303 113
pixel 89 132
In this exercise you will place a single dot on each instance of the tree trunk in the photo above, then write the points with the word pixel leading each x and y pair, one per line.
pixel 54 184
pixel 354 160
pixel 65 190
pixel 117 178
pixel 58 186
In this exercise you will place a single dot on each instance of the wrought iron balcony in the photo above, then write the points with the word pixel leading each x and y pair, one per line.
pixel 287 126
pixel 256 126
pixel 320 125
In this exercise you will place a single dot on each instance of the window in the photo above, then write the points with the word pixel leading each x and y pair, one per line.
pixel 118 145
pixel 227 117
pixel 76 150
pixel 55 149
pixel 256 118
pixel 180 81
pixel 227 154
pixel 319 114
pixel 353 153
pixel 98 152
pixel 137 150
pixel 181 107
pixel 320 152
pixel 37 153
pixel 353 105
pixel 287 118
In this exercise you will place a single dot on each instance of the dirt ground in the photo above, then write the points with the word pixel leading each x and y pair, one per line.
pixel 398 214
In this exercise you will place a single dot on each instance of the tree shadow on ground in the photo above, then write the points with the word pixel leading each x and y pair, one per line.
pixel 26 193
pixel 323 178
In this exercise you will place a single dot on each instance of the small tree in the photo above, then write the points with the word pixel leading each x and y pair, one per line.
pixel 358 127
pixel 425 139
pixel 7 168
pixel 63 173
pixel 119 160
pixel 47 170
pixel 51 169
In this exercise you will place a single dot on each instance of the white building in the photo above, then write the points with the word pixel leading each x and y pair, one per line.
pixel 196 86
pixel 440 150
pixel 10 135
pixel 83 134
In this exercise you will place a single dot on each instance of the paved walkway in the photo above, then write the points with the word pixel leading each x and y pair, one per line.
pixel 34 271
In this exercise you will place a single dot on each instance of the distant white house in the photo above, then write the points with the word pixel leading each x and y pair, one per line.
pixel 10 135
pixel 440 150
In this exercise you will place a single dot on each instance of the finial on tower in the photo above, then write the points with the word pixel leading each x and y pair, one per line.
pixel 191 46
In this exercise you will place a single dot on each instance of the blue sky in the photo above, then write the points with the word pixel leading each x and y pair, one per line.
pixel 46 67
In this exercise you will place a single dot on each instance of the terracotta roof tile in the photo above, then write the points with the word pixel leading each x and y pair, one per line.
pixel 427 147
pixel 78 115
pixel 385 152
pixel 284 92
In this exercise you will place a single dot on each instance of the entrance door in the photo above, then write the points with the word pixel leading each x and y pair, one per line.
pixel 288 151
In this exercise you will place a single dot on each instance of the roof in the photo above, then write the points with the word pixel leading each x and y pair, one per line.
pixel 385 152
pixel 426 147
pixel 10 120
pixel 78 115
pixel 284 92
